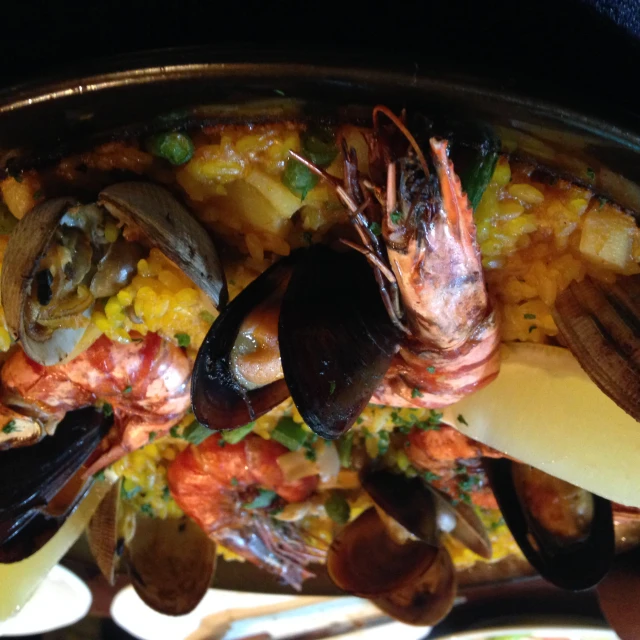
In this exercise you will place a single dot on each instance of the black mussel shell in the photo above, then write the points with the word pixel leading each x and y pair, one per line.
pixel 336 338
pixel 575 566
pixel 219 401
pixel 31 477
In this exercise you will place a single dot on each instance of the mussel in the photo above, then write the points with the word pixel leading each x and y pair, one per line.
pixel 60 257
pixel 565 532
pixel 170 562
pixel 335 342
pixel 43 483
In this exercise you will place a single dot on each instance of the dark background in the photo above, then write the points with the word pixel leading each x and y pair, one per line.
pixel 583 53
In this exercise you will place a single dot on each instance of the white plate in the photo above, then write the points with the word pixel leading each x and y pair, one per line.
pixel 538 632
pixel 61 600
pixel 230 615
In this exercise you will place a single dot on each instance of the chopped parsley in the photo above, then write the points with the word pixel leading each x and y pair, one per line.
pixel 196 433
pixel 166 494
pixel 279 92
pixel 466 498
pixel 383 442
pixel 307 236
pixel 406 424
pixel 591 174
pixel 128 389
pixel 416 393
pixel 152 436
pixel 332 387
pixel 99 475
pixel 529 316
pixel 602 202
pixel 233 436
pixel 184 340
pixel 262 500
pixel 173 432
pixel 533 327
pixel 38 194
pixel 107 410
pixel 461 420
pixel 375 228
pixel 310 453
pixel 429 476
pixel 10 427
pixel 431 369
pixel 497 524
pixel 396 217
pixel 128 495
pixel 234 482
pixel 470 483
pixel 207 317
pixel 147 509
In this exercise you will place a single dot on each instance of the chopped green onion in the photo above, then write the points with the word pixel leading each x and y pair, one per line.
pixel 310 453
pixel 173 432
pixel 375 228
pixel 337 508
pixel 289 433
pixel 128 389
pixel 184 340
pixel 234 482
pixel 383 442
pixel 175 147
pixel 10 427
pixel 107 410
pixel 431 369
pixel 206 317
pixel 396 217
pixel 166 494
pixel 279 92
pixel 416 393
pixel 319 145
pixel 127 495
pixel 298 178
pixel 147 509
pixel 263 499
pixel 233 436
pixel 533 327
pixel 99 475
pixel 429 476
pixel 345 445
pixel 196 433
pixel 152 436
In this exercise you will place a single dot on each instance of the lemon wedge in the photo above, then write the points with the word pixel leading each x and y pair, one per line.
pixel 544 410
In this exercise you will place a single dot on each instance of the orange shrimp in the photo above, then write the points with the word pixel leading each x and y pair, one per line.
pixel 146 382
pixel 449 454
pixel 213 482
pixel 452 348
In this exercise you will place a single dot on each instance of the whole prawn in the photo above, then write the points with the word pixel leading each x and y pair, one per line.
pixel 214 483
pixel 146 382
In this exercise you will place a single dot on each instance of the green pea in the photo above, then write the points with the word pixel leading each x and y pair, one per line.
pixel 175 147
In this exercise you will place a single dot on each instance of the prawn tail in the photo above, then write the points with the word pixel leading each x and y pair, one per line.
pixel 277 547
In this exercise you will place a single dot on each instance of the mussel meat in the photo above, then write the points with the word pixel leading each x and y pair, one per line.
pixel 565 532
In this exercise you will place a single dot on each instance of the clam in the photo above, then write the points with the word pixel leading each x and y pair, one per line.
pixel 59 260
pixel 170 562
pixel 412 581
pixel 565 532
pixel 600 324
pixel 335 342
pixel 42 484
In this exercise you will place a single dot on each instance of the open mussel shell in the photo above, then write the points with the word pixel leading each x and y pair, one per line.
pixel 573 564
pixel 170 227
pixel 413 581
pixel 171 564
pixel 103 533
pixel 424 511
pixel 600 323
pixel 219 400
pixel 336 338
pixel 41 485
pixel 27 245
